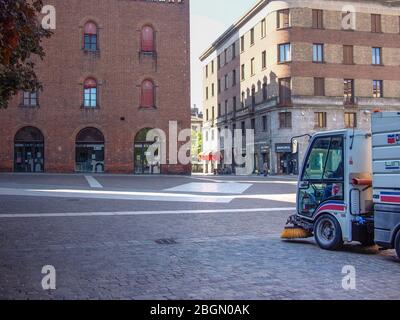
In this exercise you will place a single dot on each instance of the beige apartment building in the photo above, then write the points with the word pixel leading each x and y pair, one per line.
pixel 295 67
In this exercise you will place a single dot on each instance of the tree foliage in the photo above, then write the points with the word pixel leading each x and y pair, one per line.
pixel 21 35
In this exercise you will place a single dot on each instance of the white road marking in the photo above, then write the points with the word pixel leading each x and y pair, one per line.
pixel 142 213
pixel 292 182
pixel 93 183
pixel 115 195
pixel 143 196
pixel 202 187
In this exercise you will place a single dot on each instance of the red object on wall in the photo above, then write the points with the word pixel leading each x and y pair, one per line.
pixel 147 39
pixel 90 28
pixel 147 95
pixel 90 83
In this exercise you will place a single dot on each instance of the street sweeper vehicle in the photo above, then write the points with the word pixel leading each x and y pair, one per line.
pixel 349 187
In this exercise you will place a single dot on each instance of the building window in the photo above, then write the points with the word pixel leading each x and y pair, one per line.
pixel 219 85
pixel 147 39
pixel 376 23
pixel 219 62
pixel 319 87
pixel 212 67
pixel 264 91
pixel 253 96
pixel 263 28
pixel 233 50
pixel 377 56
pixel 243 126
pixel 350 120
pixel 318 53
pixel 348 55
pixel 349 91
pixel 253 125
pixel 207 115
pixel 226 107
pixel 206 93
pixel 30 99
pixel 317 19
pixel 225 56
pixel 147 99
pixel 264 123
pixel 320 120
pixel 285 120
pixel 206 71
pixel 242 73
pixel 253 72
pixel 90 93
pixel 212 90
pixel 234 101
pixel 233 78
pixel 377 89
pixel 90 37
pixel 226 82
pixel 285 91
pixel 242 43
pixel 264 59
pixel 284 53
pixel 219 111
pixel 243 99
pixel 283 19
pixel 252 36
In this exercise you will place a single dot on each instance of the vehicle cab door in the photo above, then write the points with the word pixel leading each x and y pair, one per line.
pixel 322 178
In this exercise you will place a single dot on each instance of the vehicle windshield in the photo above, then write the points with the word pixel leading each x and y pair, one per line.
pixel 324 172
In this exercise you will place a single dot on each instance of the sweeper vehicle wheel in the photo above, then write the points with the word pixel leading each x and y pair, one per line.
pixel 328 233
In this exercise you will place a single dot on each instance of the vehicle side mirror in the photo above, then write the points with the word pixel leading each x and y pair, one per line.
pixel 304 185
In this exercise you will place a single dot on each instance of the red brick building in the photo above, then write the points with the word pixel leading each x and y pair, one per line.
pixel 112 70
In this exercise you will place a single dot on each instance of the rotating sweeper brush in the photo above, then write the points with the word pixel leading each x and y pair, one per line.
pixel 295 230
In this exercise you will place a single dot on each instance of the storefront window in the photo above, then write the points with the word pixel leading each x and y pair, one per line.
pixel 29 150
pixel 146 160
pixel 90 151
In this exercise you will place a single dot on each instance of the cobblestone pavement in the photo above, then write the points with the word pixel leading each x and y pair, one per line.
pixel 222 255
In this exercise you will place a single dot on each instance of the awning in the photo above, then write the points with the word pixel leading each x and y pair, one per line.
pixel 210 156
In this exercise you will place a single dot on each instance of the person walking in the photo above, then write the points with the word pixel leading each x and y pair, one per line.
pixel 266 169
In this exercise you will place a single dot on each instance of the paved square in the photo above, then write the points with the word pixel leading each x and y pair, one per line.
pixel 126 242
pixel 204 187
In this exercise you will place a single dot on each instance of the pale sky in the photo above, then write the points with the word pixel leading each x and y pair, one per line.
pixel 209 19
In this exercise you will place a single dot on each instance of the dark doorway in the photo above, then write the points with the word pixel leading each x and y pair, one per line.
pixel 144 161
pixel 90 151
pixel 287 163
pixel 29 150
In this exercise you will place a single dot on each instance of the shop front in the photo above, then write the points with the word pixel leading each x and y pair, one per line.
pixel 29 150
pixel 265 159
pixel 287 162
pixel 89 152
pixel 147 160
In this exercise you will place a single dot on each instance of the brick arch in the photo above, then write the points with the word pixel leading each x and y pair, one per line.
pixel 87 19
pixel 25 125
pixel 76 131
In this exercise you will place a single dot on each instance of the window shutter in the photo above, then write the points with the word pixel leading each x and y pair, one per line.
pixel 147 94
pixel 286 18
pixel 320 19
pixel 314 19
pixel 147 39
pixel 348 55
pixel 378 23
